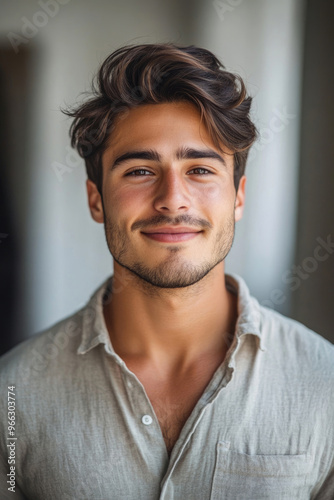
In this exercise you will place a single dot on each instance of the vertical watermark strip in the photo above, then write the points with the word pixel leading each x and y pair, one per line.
pixel 11 439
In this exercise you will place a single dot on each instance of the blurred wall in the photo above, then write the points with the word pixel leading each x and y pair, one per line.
pixel 65 254
pixel 262 40
pixel 312 300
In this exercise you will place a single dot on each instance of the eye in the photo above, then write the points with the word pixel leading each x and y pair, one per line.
pixel 200 171
pixel 139 172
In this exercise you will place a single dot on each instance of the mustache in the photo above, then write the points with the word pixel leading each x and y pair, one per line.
pixel 171 221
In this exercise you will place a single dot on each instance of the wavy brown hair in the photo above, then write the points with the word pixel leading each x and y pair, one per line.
pixel 162 73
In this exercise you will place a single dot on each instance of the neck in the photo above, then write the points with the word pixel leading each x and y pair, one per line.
pixel 174 328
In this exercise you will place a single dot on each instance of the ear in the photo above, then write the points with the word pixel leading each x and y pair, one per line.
pixel 240 199
pixel 94 202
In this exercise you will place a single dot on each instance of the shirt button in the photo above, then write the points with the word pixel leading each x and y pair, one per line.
pixel 147 419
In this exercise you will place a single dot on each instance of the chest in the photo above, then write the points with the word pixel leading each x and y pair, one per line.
pixel 172 411
pixel 174 401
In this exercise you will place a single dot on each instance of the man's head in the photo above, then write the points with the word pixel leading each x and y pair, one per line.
pixel 165 141
pixel 160 73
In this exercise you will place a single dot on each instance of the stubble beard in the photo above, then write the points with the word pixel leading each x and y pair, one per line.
pixel 174 271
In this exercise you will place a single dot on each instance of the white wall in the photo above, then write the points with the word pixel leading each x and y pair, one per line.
pixel 66 256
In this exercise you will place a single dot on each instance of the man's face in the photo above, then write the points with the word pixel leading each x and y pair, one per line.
pixel 168 196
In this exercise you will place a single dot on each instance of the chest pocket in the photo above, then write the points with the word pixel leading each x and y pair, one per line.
pixel 239 476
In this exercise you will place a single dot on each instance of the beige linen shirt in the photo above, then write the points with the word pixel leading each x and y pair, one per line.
pixel 262 429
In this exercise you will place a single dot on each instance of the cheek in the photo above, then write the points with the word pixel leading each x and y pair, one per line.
pixel 216 202
pixel 123 205
pixel 214 194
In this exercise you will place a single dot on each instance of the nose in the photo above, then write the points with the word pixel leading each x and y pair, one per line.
pixel 172 195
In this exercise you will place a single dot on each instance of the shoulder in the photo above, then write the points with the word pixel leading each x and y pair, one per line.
pixel 32 356
pixel 296 345
pixel 295 334
pixel 54 348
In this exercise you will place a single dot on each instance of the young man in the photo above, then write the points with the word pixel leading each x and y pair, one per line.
pixel 173 382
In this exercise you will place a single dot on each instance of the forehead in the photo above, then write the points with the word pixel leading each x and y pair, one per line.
pixel 166 127
pixel 168 123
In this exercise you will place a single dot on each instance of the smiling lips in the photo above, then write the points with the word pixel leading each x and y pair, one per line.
pixel 171 234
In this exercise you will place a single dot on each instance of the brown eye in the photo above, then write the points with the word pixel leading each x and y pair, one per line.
pixel 200 171
pixel 139 172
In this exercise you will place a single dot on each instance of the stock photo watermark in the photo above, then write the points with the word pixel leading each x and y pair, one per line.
pixel 225 7
pixel 11 438
pixel 30 27
pixel 72 161
pixel 297 274
pixel 278 122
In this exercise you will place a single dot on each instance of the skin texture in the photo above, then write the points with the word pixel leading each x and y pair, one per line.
pixel 170 317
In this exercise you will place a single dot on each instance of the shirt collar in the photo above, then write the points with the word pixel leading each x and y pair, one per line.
pixel 94 330
pixel 249 314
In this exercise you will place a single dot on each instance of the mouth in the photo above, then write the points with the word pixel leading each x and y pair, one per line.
pixel 171 234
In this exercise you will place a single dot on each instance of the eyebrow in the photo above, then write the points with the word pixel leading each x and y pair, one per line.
pixel 181 154
pixel 148 154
